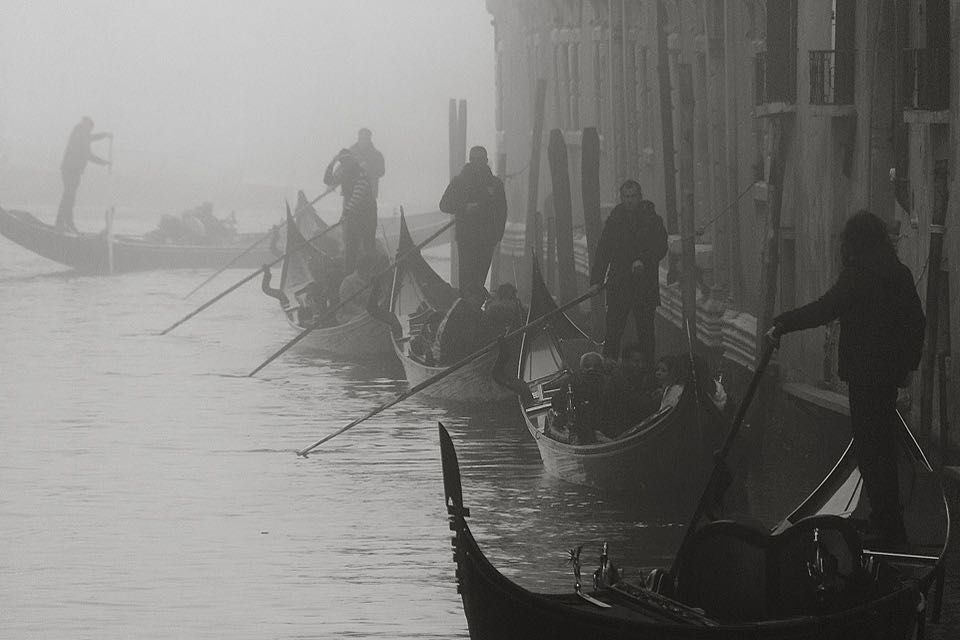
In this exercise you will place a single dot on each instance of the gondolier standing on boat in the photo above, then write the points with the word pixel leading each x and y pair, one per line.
pixel 631 246
pixel 881 342
pixel 359 207
pixel 369 158
pixel 75 159
pixel 476 197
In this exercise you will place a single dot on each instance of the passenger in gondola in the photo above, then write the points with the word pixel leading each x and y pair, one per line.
pixel 502 314
pixel 459 332
pixel 351 294
pixel 632 393
pixel 670 380
pixel 576 411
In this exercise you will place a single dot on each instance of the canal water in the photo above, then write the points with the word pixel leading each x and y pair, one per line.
pixel 148 489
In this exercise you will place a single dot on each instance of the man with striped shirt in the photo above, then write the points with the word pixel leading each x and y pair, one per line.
pixel 359 206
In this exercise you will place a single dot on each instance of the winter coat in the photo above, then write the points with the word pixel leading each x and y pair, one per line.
pixel 626 237
pixel 476 184
pixel 881 320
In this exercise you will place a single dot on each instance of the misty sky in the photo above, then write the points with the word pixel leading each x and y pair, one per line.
pixel 264 90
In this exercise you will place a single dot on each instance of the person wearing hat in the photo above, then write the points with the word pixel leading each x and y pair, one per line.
pixel 477 199
pixel 75 159
pixel 370 158
pixel 359 207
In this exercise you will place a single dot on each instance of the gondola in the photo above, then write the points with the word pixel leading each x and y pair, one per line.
pixel 418 294
pixel 102 253
pixel 653 457
pixel 360 336
pixel 808 579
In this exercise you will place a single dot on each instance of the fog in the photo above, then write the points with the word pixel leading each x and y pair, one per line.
pixel 215 98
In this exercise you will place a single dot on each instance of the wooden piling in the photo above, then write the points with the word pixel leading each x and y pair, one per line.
pixel 562 214
pixel 590 191
pixel 934 272
pixel 533 181
pixel 688 289
pixel 666 122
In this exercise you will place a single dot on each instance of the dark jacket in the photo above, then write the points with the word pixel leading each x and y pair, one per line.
pixel 627 237
pixel 881 320
pixel 477 184
pixel 78 154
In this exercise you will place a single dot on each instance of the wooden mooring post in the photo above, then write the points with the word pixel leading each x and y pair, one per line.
pixel 562 214
pixel 590 191
pixel 533 182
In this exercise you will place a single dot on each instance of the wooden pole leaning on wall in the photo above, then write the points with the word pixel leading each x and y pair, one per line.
pixel 533 180
pixel 944 368
pixel 496 263
pixel 688 249
pixel 590 190
pixel 549 222
pixel 666 121
pixel 769 276
pixel 938 228
pixel 562 213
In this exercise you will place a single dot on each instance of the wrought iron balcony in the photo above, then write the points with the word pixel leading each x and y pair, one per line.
pixel 775 78
pixel 926 79
pixel 831 76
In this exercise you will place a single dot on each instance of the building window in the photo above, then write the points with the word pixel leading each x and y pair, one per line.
pixel 775 70
pixel 831 76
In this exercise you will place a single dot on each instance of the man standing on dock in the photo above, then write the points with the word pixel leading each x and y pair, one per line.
pixel 75 159
pixel 369 158
pixel 477 198
pixel 631 246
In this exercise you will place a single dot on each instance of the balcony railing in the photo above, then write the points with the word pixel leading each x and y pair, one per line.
pixel 926 79
pixel 831 77
pixel 775 78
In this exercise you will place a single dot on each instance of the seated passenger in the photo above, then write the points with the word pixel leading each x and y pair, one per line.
pixel 669 380
pixel 459 331
pixel 351 297
pixel 576 410
pixel 502 314
pixel 631 394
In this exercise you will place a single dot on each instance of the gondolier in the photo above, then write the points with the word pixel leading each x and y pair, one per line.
pixel 631 246
pixel 370 158
pixel 477 199
pixel 359 207
pixel 881 342
pixel 75 159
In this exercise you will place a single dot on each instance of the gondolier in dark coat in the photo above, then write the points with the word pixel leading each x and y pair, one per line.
pixel 477 199
pixel 75 159
pixel 881 342
pixel 631 246
pixel 359 207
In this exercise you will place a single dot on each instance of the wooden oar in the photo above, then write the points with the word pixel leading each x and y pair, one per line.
pixel 331 312
pixel 720 464
pixel 255 244
pixel 250 277
pixel 458 365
